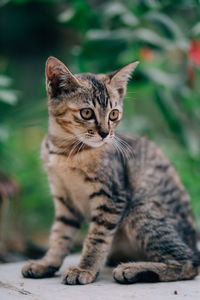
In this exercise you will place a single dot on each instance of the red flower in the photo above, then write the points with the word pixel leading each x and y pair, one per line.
pixel 194 53
pixel 146 53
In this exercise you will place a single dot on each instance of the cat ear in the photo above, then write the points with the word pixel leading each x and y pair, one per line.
pixel 59 77
pixel 119 78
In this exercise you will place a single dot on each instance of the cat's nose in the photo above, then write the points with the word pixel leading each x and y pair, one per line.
pixel 103 134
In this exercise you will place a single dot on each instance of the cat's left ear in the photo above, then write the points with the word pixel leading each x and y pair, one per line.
pixel 119 78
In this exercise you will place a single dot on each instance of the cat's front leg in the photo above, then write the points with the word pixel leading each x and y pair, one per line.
pixel 104 222
pixel 66 224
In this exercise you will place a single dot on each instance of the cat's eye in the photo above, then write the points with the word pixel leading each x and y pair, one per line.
pixel 114 114
pixel 87 113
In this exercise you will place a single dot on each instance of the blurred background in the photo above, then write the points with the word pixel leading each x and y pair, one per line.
pixel 162 102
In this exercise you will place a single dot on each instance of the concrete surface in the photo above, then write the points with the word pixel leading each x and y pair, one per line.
pixel 13 286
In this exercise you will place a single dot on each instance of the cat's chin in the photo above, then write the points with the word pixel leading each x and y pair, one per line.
pixel 95 144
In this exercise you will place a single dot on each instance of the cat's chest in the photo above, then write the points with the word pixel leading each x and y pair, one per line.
pixel 75 182
pixel 70 179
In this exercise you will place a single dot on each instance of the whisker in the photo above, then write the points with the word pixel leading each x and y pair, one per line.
pixel 66 141
pixel 128 149
pixel 119 149
pixel 125 143
pixel 123 150
pixel 131 93
pixel 128 98
pixel 79 149
pixel 115 146
pixel 73 148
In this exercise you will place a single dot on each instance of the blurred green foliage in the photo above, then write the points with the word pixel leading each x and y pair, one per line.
pixel 163 98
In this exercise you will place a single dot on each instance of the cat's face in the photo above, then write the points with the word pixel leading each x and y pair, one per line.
pixel 85 107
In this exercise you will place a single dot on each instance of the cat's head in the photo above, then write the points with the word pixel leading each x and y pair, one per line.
pixel 85 107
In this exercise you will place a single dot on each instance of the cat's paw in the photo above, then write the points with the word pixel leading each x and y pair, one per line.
pixel 122 274
pixel 76 275
pixel 38 269
pixel 134 272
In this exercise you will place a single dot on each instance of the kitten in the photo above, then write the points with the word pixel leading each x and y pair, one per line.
pixel 137 207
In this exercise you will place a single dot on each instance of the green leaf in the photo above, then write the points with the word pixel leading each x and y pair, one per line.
pixel 123 34
pixel 172 28
pixel 5 81
pixel 153 4
pixel 9 97
pixel 195 31
pixel 66 16
pixel 3 2
pixel 4 133
pixel 152 38
pixel 169 80
pixel 166 103
pixel 112 10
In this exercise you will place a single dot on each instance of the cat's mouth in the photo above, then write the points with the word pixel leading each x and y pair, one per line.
pixel 94 142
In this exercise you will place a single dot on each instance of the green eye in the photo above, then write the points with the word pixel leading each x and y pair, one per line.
pixel 87 113
pixel 114 114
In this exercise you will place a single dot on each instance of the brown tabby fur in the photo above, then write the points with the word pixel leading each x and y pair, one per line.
pixel 137 207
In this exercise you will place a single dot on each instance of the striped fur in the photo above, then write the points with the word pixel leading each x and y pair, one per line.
pixel 130 194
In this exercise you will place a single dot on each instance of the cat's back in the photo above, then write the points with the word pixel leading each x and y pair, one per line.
pixel 149 162
pixel 155 181
pixel 150 170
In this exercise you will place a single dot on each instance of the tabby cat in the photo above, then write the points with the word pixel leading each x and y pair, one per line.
pixel 139 214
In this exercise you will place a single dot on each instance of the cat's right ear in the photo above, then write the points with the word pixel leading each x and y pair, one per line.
pixel 58 77
pixel 119 78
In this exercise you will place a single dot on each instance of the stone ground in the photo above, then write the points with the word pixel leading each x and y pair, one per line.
pixel 13 286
